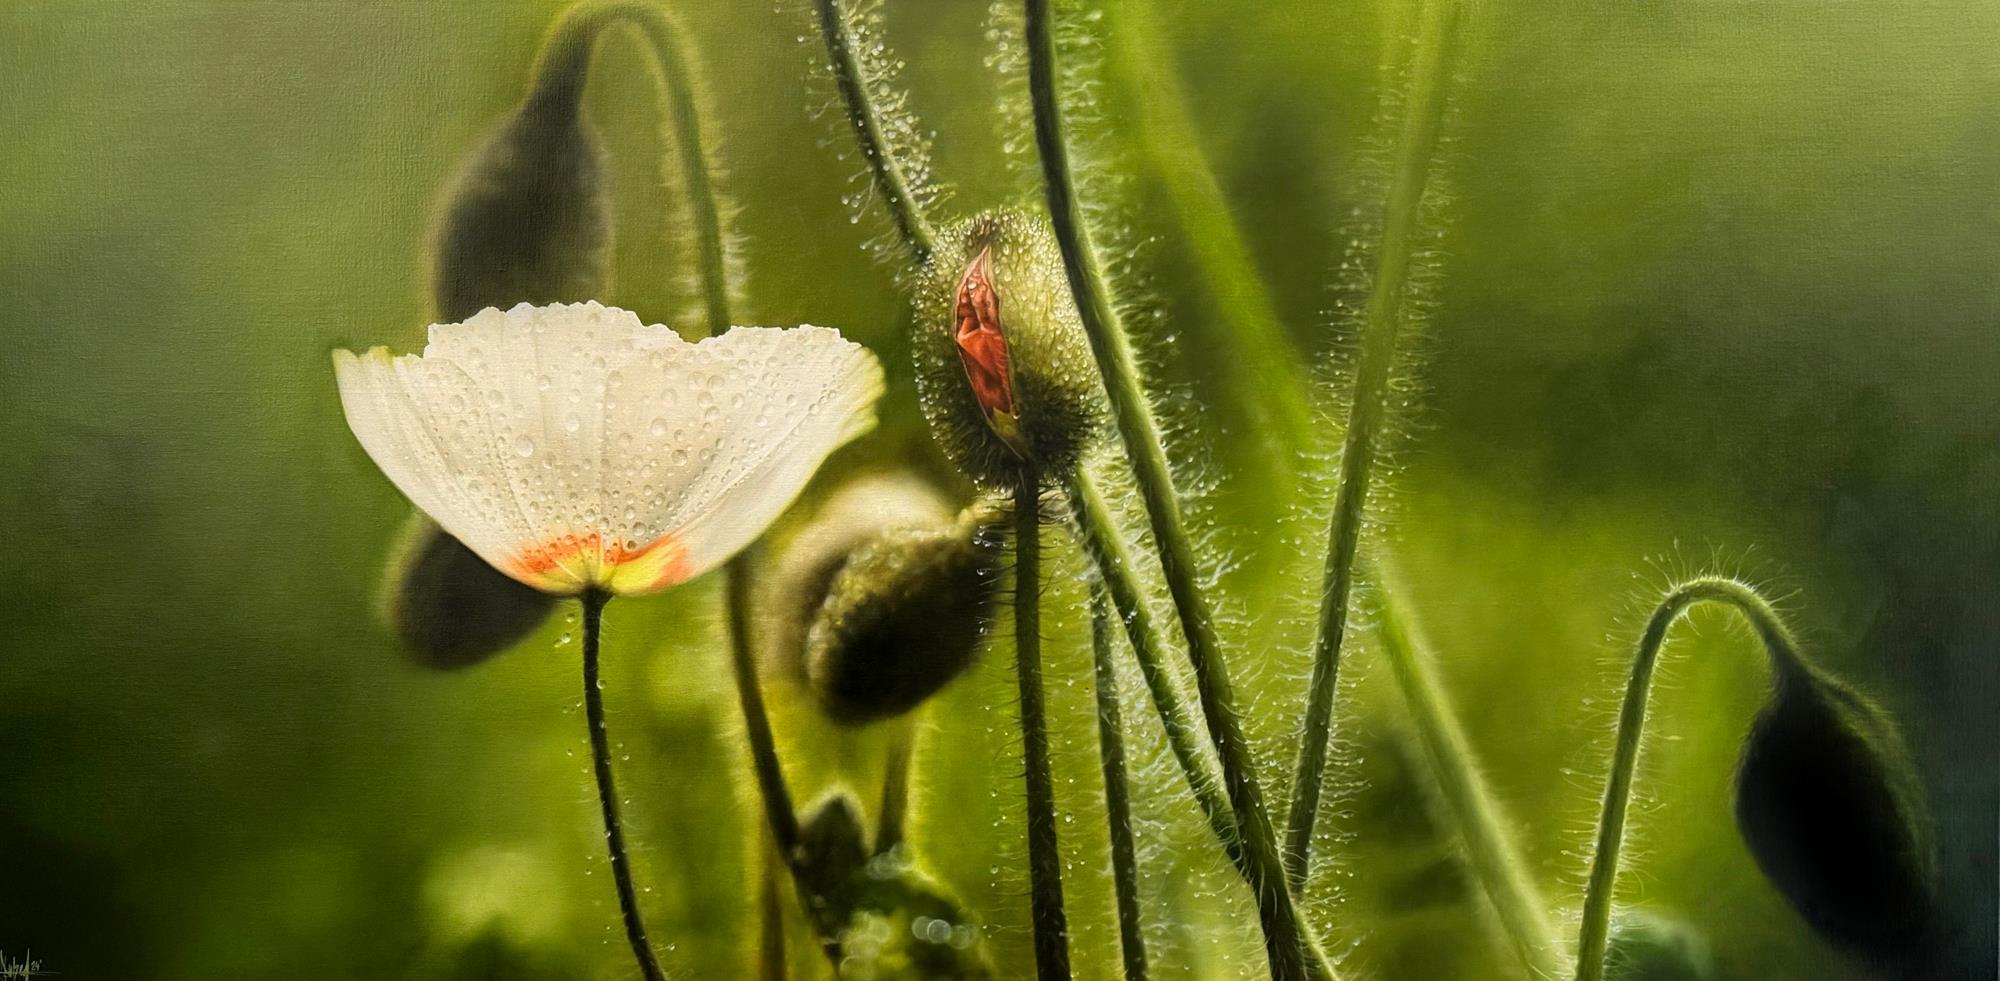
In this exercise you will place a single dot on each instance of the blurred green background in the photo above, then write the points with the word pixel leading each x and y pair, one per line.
pixel 1716 289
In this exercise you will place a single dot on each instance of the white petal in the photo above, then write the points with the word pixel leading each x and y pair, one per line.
pixel 572 446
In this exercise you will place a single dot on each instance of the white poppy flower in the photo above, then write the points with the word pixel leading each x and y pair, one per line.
pixel 574 448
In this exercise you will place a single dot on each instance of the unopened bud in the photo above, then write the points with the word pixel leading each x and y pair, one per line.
pixel 448 607
pixel 1829 804
pixel 528 219
pixel 1003 367
pixel 903 617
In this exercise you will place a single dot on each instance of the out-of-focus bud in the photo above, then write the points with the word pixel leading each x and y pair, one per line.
pixel 832 850
pixel 527 219
pixel 904 616
pixel 1003 367
pixel 448 607
pixel 1830 805
pixel 1647 947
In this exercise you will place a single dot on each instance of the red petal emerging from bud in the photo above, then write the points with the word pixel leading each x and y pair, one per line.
pixel 982 348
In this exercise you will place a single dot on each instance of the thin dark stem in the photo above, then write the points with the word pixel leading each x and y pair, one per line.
pixel 778 810
pixel 1783 653
pixel 607 790
pixel 771 960
pixel 1380 333
pixel 884 169
pixel 1291 954
pixel 1045 889
pixel 1117 806
pixel 895 808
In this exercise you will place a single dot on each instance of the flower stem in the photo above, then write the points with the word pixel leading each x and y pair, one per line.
pixel 1489 847
pixel 572 38
pixel 778 810
pixel 1117 808
pixel 1290 954
pixel 607 790
pixel 885 170
pixel 1045 892
pixel 1113 559
pixel 1381 331
pixel 1782 650
pixel 895 789
pixel 771 956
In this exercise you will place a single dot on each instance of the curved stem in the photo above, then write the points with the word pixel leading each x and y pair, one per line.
pixel 895 789
pixel 559 73
pixel 1113 559
pixel 1117 808
pixel 1290 954
pixel 607 790
pixel 1783 652
pixel 1489 847
pixel 1044 852
pixel 1380 333
pixel 886 171
pixel 778 810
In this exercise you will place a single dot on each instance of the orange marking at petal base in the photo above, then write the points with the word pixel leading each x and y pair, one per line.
pixel 622 569
pixel 982 347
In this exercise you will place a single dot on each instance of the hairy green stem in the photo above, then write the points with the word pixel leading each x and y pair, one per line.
pixel 1782 650
pixel 607 789
pixel 1108 551
pixel 1483 830
pixel 1291 955
pixel 572 39
pixel 885 170
pixel 1117 806
pixel 1045 890
pixel 1381 331
pixel 895 807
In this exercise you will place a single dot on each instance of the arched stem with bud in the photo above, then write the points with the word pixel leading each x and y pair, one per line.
pixel 1784 656
pixel 559 70
pixel 1380 332
pixel 1117 806
pixel 607 789
pixel 1045 892
pixel 1291 955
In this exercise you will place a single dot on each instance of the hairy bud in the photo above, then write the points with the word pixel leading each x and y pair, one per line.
pixel 1829 804
pixel 1648 947
pixel 903 617
pixel 1003 367
pixel 448 607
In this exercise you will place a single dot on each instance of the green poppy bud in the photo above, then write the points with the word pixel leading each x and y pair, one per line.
pixel 1648 947
pixel 528 219
pixel 448 607
pixel 903 617
pixel 1003 367
pixel 1830 806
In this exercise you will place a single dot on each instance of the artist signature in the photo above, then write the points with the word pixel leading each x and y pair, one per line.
pixel 26 967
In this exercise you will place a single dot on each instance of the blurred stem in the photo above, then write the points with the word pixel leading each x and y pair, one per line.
pixel 771 953
pixel 607 789
pixel 1290 954
pixel 1489 847
pixel 1117 808
pixel 1783 652
pixel 1381 331
pixel 557 72
pixel 1113 559
pixel 884 169
pixel 895 788
pixel 1044 853
pixel 778 810
pixel 1263 370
